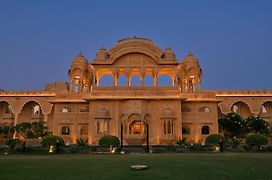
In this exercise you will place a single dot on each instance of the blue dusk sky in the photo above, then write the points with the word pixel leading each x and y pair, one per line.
pixel 231 38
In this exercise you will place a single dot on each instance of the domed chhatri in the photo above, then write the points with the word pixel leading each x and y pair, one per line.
pixel 80 59
pixel 102 54
pixel 190 58
pixel 168 54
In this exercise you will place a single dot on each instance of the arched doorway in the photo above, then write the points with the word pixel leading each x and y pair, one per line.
pixel 135 130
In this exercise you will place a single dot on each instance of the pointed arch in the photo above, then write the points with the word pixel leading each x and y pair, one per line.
pixel 122 80
pixel 31 111
pixel 242 108
pixel 106 80
pixel 135 80
pixel 165 80
pixel 148 80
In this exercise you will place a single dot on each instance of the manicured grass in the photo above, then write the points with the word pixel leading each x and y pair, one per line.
pixel 161 166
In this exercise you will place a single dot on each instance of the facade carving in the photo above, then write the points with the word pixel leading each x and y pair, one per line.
pixel 90 106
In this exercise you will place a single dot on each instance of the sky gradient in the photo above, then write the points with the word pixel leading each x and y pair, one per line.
pixel 231 38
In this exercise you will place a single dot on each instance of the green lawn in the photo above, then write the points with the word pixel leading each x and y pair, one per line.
pixel 161 166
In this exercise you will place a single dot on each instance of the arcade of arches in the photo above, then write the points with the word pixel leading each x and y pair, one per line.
pixel 135 83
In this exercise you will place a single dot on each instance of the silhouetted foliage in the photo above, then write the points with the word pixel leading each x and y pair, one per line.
pixel 109 141
pixel 232 125
pixel 257 125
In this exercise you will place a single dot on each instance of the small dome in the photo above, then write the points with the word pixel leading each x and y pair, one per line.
pixel 168 54
pixel 79 59
pixel 190 59
pixel 102 54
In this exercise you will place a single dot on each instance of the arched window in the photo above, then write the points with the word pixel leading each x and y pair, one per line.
pixel 205 109
pixel 135 127
pixel 76 84
pixel 165 80
pixel 102 126
pixel 122 80
pixel 168 127
pixel 65 130
pixel 106 80
pixel 135 80
pixel 205 130
pixel 148 80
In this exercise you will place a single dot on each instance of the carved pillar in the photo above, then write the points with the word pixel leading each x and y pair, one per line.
pixel 142 79
pixel 129 78
pixel 115 79
pixel 16 115
pixel 155 79
pixel 97 80
pixel 71 85
pixel 45 118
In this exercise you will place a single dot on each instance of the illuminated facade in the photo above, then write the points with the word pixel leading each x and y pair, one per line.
pixel 134 83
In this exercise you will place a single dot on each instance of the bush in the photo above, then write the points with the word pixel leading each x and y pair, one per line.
pixel 214 139
pixel 52 141
pixel 82 142
pixel 109 141
pixel 181 141
pixel 255 139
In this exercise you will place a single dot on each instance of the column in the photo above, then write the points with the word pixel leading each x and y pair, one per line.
pixel 15 123
pixel 71 85
pixel 155 80
pixel 115 79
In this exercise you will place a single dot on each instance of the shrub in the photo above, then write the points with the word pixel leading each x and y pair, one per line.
pixel 214 139
pixel 52 140
pixel 255 139
pixel 12 143
pixel 109 141
pixel 181 141
pixel 82 142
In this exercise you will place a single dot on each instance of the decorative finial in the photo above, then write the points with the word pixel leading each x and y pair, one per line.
pixel 190 53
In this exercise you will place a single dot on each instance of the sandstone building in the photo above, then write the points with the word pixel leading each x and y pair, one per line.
pixel 86 108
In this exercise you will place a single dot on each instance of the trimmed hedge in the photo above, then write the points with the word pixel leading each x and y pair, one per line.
pixel 214 139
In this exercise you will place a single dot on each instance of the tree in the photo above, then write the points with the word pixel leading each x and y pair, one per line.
pixel 232 125
pixel 256 139
pixel 7 131
pixel 257 125
pixel 24 129
pixel 38 129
